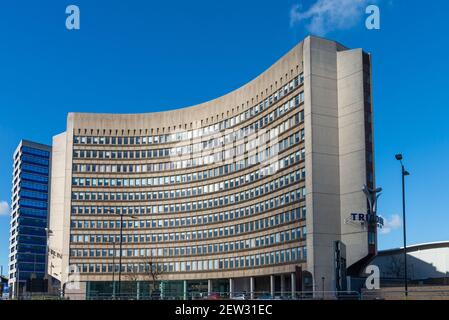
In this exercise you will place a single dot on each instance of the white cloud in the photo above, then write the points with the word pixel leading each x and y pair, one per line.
pixel 394 222
pixel 324 16
pixel 4 208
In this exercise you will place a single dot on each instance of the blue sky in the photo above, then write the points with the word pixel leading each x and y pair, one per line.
pixel 129 55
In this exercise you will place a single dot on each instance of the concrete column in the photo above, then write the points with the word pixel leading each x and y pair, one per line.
pixel 282 284
pixel 251 288
pixel 209 287
pixel 231 287
pixel 272 285
pixel 185 290
pixel 293 283
pixel 138 290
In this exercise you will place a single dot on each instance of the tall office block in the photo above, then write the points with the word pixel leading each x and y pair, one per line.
pixel 247 192
pixel 29 214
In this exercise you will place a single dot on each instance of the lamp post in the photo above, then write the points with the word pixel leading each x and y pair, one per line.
pixel 113 270
pixel 120 258
pixel 120 254
pixel 404 173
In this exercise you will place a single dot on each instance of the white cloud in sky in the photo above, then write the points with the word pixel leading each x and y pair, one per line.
pixel 4 208
pixel 390 224
pixel 324 16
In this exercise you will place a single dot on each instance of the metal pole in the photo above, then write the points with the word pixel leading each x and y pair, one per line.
pixel 120 257
pixel 405 234
pixel 113 270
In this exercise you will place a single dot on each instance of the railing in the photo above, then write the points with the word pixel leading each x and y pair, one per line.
pixel 39 296
pixel 381 294
pixel 399 294
pixel 238 295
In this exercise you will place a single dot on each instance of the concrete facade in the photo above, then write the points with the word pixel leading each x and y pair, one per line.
pixel 292 146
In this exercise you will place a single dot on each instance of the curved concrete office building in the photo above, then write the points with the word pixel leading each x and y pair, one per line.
pixel 247 192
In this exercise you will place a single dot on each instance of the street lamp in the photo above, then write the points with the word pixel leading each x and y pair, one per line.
pixel 120 254
pixel 113 270
pixel 404 173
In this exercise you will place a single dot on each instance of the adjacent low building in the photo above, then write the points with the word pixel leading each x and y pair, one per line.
pixel 427 263
pixel 249 192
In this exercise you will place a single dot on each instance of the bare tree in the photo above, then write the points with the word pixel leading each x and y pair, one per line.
pixel 153 271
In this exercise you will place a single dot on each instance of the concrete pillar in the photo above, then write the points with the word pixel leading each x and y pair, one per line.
pixel 282 285
pixel 251 288
pixel 138 290
pixel 231 287
pixel 209 287
pixel 185 290
pixel 272 285
pixel 293 283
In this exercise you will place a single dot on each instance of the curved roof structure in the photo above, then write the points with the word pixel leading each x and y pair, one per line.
pixel 416 247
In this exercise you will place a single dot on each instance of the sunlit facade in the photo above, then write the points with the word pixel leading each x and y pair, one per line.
pixel 247 192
